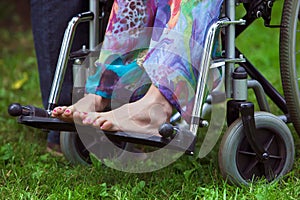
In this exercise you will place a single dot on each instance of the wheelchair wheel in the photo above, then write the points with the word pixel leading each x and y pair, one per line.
pixel 238 162
pixel 73 149
pixel 290 58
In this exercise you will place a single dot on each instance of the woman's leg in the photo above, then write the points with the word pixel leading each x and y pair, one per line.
pixel 49 20
pixel 176 49
pixel 172 63
pixel 142 116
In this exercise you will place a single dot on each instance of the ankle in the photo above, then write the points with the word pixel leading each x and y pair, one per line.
pixel 154 96
pixel 99 102
pixel 168 109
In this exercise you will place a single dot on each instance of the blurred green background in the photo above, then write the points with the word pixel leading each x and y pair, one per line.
pixel 27 171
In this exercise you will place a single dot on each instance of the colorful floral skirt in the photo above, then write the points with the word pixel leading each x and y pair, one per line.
pixel 157 42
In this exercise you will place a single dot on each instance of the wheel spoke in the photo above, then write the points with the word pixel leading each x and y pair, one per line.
pixel 250 167
pixel 275 157
pixel 247 153
pixel 267 146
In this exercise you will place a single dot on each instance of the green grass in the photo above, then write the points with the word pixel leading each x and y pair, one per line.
pixel 27 171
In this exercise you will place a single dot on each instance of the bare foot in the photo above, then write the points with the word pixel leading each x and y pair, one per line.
pixel 89 103
pixel 142 116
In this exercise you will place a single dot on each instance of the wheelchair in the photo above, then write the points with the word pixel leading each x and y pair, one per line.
pixel 256 144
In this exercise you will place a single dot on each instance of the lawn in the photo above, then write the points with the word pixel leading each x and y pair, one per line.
pixel 27 171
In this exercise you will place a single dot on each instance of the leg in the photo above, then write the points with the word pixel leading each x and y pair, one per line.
pixel 142 116
pixel 116 46
pixel 174 54
pixel 49 20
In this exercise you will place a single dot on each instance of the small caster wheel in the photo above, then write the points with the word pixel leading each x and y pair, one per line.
pixel 73 149
pixel 240 165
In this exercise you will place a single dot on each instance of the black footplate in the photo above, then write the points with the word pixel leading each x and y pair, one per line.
pixel 181 140
pixel 38 118
pixel 46 123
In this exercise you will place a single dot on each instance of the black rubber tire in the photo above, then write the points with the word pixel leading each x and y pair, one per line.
pixel 290 58
pixel 239 164
pixel 73 149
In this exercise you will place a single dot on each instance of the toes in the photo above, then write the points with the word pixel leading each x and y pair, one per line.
pixel 54 113
pixel 87 121
pixel 61 109
pixel 82 115
pixel 99 122
pixel 68 111
pixel 94 119
pixel 63 113
pixel 58 111
pixel 89 118
pixel 77 117
pixel 107 125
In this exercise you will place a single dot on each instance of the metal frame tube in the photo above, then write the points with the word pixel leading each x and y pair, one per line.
pixel 64 56
pixel 94 25
pixel 274 95
pixel 203 72
pixel 260 95
pixel 229 45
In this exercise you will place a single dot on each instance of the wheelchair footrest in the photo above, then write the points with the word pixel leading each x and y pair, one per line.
pixel 46 123
pixel 183 141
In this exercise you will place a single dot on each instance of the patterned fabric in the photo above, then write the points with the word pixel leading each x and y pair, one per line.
pixel 171 31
